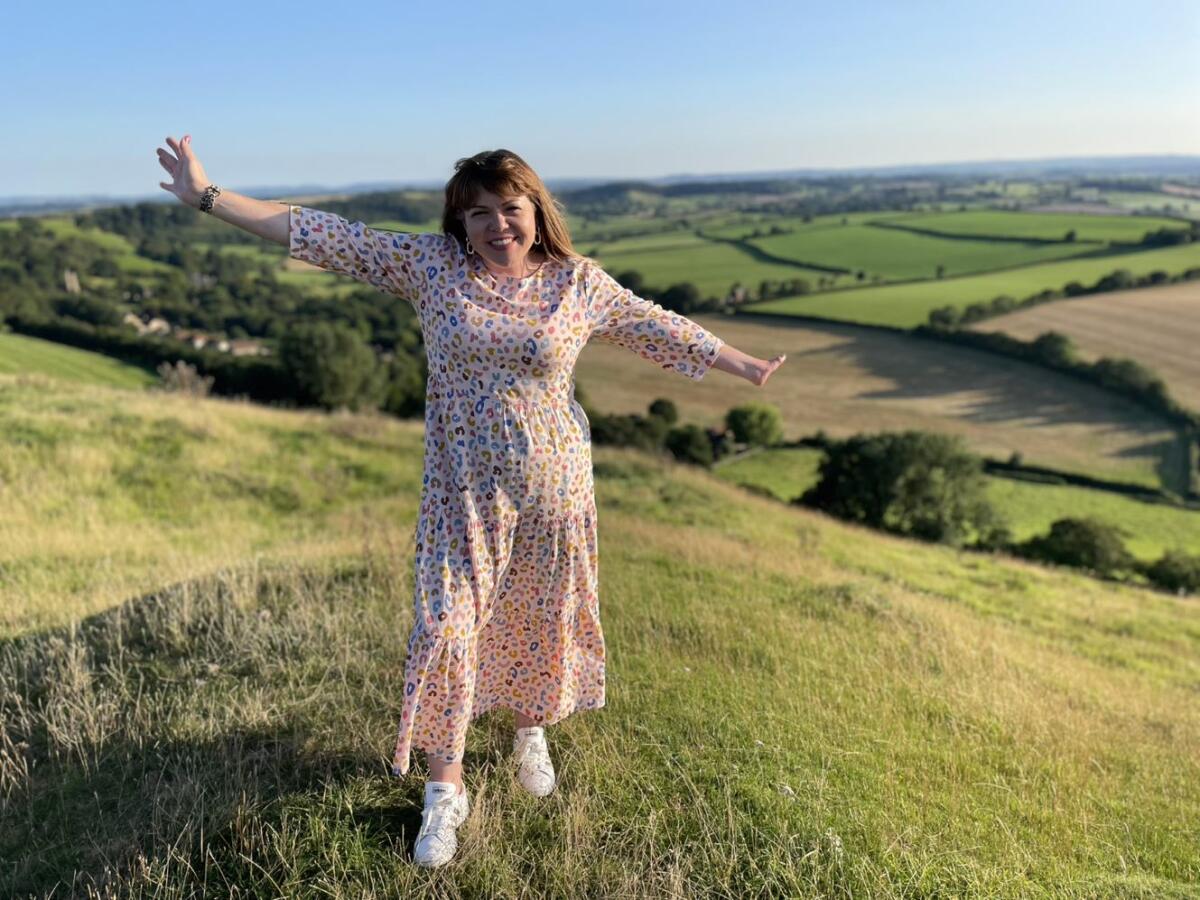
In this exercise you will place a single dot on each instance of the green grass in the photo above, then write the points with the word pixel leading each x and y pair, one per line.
pixel 894 254
pixel 20 355
pixel 795 707
pixel 906 305
pixel 1029 508
pixel 712 267
pixel 1045 226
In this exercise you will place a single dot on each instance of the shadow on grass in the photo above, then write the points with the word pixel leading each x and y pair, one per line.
pixel 173 737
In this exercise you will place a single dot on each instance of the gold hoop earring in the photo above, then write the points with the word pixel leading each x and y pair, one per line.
pixel 470 249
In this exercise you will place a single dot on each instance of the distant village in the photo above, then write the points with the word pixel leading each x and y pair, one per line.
pixel 198 339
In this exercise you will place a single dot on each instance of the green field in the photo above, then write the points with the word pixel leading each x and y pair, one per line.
pixel 712 267
pixel 906 305
pixel 1161 203
pixel 1028 508
pixel 894 254
pixel 205 607
pixel 20 355
pixel 1044 226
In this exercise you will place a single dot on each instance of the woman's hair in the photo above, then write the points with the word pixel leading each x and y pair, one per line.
pixel 503 173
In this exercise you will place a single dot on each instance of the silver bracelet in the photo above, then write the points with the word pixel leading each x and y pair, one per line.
pixel 210 194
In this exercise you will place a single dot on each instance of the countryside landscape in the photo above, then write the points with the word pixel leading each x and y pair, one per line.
pixel 211 462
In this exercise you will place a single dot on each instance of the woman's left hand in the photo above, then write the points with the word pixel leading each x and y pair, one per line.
pixel 764 368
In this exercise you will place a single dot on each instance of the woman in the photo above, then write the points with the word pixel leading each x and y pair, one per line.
pixel 506 602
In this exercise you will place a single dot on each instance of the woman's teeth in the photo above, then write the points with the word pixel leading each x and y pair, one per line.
pixel 501 242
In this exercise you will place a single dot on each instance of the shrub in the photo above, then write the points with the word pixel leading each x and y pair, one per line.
pixel 917 483
pixel 690 443
pixel 1084 543
pixel 331 366
pixel 184 379
pixel 756 424
pixel 665 410
pixel 1176 571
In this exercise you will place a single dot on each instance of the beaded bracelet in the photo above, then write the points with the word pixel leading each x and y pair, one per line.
pixel 210 194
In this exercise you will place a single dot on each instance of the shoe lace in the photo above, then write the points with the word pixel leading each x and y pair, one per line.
pixel 436 819
pixel 533 746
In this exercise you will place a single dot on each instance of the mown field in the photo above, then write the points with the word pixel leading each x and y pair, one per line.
pixel 28 355
pixel 1159 327
pixel 906 305
pixel 1028 508
pixel 1042 226
pixel 795 707
pixel 846 379
pixel 894 254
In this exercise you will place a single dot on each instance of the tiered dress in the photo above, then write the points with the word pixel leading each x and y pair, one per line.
pixel 506 596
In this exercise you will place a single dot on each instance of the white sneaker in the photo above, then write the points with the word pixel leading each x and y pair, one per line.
pixel 445 810
pixel 535 772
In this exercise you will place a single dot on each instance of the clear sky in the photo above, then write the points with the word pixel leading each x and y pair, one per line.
pixel 337 93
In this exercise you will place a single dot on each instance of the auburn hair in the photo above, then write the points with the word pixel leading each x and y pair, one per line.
pixel 503 173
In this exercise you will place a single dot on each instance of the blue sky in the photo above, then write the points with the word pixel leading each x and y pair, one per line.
pixel 338 93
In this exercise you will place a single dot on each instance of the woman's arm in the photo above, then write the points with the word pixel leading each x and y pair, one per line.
pixel 754 370
pixel 264 218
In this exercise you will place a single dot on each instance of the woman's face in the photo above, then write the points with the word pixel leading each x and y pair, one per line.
pixel 501 229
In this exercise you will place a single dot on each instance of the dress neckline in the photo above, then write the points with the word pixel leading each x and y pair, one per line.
pixel 480 267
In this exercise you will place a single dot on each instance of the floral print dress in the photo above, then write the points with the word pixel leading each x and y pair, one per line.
pixel 506 596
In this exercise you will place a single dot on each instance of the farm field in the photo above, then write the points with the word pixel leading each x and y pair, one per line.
pixel 894 254
pixel 1043 226
pixel 1160 203
pixel 906 305
pixel 712 267
pixel 1159 327
pixel 837 712
pixel 21 355
pixel 847 380
pixel 1028 508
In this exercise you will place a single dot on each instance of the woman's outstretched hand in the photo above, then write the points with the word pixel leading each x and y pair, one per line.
pixel 743 365
pixel 764 368
pixel 188 180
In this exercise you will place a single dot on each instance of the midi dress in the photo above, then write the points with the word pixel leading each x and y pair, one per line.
pixel 506 587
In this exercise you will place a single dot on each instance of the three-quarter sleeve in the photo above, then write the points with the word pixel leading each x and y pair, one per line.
pixel 396 262
pixel 669 339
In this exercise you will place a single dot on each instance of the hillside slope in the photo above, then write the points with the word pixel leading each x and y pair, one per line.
pixel 795 707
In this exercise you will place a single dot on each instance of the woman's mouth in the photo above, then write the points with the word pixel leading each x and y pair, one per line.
pixel 501 243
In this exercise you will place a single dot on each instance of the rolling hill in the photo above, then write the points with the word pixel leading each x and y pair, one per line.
pixel 200 671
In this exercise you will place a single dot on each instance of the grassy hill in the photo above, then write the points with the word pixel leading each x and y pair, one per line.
pixel 846 379
pixel 206 611
pixel 1029 508
pixel 1159 327
pixel 27 355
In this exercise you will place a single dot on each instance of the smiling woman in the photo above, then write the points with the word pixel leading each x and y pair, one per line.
pixel 506 609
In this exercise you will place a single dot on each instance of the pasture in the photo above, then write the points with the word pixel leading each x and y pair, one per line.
pixel 906 305
pixel 712 267
pixel 21 355
pixel 1159 327
pixel 846 380
pixel 1028 508
pixel 204 700
pixel 1042 226
pixel 894 254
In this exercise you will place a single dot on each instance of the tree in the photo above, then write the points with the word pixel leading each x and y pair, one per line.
pixel 331 366
pixel 1054 348
pixel 665 410
pixel 941 271
pixel 918 483
pixel 759 424
pixel 1070 236
pixel 631 279
pixel 690 443
pixel 1084 543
